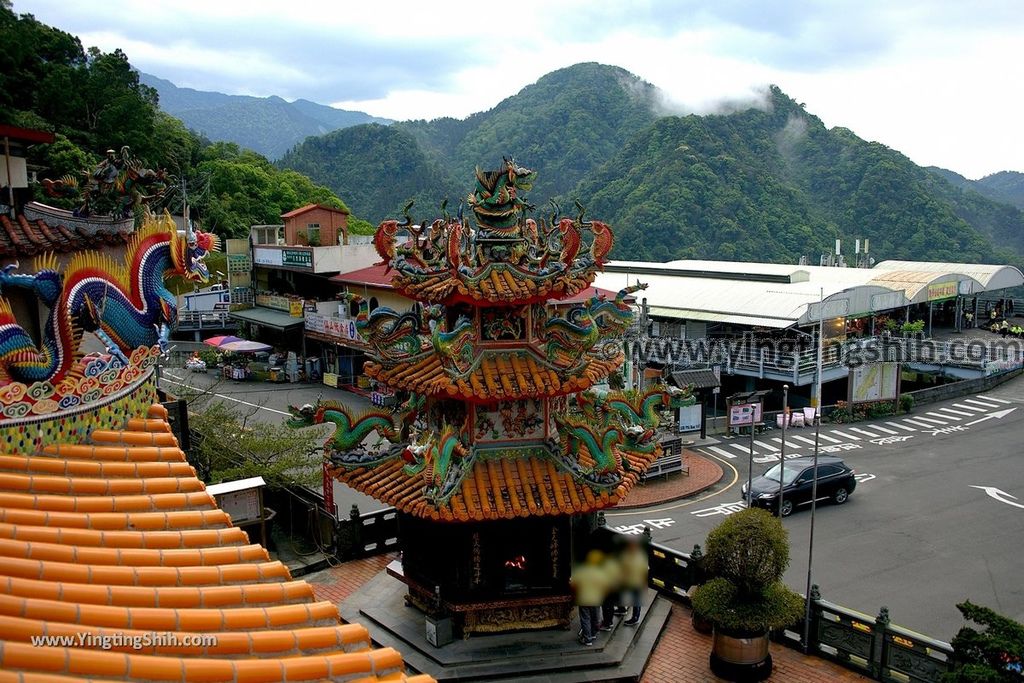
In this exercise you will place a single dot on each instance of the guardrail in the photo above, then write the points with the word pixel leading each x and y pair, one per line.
pixel 201 320
pixel 364 535
pixel 871 646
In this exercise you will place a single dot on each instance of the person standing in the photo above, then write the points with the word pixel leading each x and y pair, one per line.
pixel 634 577
pixel 590 585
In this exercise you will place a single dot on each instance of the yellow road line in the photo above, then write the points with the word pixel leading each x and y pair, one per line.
pixel 735 478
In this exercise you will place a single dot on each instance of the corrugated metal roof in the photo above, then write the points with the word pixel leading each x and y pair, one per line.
pixel 990 276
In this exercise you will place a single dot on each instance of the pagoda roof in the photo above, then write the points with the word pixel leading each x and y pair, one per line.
pixel 114 538
pixel 496 487
pixel 500 284
pixel 23 237
pixel 374 276
pixel 494 377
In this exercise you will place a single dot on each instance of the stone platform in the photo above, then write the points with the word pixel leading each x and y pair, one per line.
pixel 546 656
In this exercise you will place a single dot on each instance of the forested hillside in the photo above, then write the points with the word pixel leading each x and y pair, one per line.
pixel 268 125
pixel 770 183
pixel 565 126
pixel 1006 186
pixel 93 101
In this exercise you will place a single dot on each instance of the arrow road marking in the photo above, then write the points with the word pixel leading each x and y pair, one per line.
pixel 999 495
pixel 998 415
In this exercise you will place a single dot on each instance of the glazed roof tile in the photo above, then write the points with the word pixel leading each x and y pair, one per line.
pixel 22 237
pixel 118 539
pixel 496 487
pixel 500 375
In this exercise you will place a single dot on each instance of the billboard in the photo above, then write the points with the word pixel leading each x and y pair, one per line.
pixel 744 414
pixel 874 382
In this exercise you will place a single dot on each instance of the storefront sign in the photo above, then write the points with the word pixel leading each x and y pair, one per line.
pixel 743 414
pixel 340 329
pixel 943 290
pixel 239 263
pixel 331 379
pixel 295 308
pixel 275 301
pixel 296 258
pixel 267 257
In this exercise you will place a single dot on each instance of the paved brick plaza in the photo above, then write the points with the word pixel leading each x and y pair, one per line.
pixel 681 653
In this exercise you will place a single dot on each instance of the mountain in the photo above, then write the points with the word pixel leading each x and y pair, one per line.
pixel 565 125
pixel 1006 186
pixel 769 182
pixel 268 125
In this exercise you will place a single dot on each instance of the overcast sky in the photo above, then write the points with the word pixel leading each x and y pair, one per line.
pixel 940 80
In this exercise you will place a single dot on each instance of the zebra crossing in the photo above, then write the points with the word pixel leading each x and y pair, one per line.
pixel 768 448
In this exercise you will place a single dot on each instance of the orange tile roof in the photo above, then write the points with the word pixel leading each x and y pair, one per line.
pixel 496 487
pixel 118 540
pixel 504 374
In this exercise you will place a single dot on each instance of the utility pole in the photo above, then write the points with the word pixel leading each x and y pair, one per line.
pixel 814 484
pixel 782 454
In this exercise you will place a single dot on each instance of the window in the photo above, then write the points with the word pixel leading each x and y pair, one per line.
pixel 828 470
pixel 265 234
pixel 313 234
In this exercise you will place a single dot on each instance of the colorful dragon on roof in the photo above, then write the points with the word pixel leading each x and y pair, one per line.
pixel 126 304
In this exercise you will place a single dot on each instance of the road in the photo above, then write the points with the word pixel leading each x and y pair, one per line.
pixel 918 535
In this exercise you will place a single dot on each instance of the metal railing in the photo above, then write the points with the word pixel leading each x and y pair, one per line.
pixel 202 320
pixel 871 646
pixel 364 535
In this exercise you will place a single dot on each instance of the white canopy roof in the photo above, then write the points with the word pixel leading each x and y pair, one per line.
pixel 780 295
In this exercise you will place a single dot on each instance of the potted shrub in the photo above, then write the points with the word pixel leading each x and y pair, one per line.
pixel 747 554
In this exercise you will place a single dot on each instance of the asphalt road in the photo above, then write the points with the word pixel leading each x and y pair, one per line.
pixel 917 535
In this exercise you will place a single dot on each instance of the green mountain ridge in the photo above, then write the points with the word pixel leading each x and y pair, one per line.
pixel 267 125
pixel 765 183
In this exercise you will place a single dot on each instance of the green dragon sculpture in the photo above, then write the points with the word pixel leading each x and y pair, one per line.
pixel 345 446
pixel 456 348
pixel 442 458
pixel 394 336
pixel 600 443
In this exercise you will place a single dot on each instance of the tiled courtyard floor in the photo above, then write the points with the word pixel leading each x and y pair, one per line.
pixel 704 473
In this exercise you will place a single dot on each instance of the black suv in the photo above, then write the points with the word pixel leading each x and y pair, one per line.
pixel 835 482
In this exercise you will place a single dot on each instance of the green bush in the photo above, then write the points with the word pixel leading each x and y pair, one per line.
pixel 208 356
pixel 992 655
pixel 748 554
pixel 906 403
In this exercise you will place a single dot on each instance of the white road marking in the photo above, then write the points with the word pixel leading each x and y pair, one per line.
pixel 974 408
pixel 944 416
pixel 899 426
pixel 722 452
pixel 851 437
pixel 955 412
pixel 229 398
pixel 742 447
pixel 998 415
pixel 882 429
pixel 997 400
pixel 920 424
pixel 825 437
pixel 1000 495
pixel 931 420
pixel 984 404
pixel 804 439
pixel 864 432
pixel 789 444
pixel 766 446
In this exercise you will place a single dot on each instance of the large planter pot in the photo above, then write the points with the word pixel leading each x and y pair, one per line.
pixel 740 655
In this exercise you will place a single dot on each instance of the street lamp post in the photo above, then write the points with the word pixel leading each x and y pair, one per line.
pixel 814 481
pixel 782 455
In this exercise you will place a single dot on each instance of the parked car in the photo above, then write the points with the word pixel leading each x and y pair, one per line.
pixel 836 481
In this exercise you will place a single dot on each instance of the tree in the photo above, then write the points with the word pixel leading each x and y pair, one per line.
pixel 228 446
pixel 992 655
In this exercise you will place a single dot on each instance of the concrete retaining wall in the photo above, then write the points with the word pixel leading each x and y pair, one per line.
pixel 962 388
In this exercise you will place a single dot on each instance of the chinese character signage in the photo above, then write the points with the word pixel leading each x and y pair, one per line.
pixel 296 258
pixel 942 290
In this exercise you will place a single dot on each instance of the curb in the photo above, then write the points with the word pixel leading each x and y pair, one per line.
pixel 672 498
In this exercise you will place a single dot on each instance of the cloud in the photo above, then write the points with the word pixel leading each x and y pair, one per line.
pixel 939 81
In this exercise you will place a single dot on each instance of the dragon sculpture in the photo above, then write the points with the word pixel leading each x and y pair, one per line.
pixel 395 336
pixel 116 186
pixel 570 337
pixel 441 458
pixel 345 446
pixel 127 305
pixel 496 201
pixel 599 441
pixel 455 348
pixel 638 412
